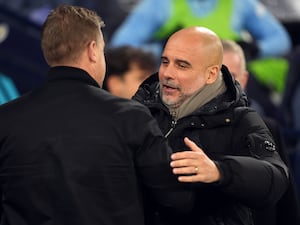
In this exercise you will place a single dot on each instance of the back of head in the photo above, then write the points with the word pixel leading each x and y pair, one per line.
pixel 232 46
pixel 234 59
pixel 66 31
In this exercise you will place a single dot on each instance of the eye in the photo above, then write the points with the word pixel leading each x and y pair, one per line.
pixel 182 65
pixel 164 61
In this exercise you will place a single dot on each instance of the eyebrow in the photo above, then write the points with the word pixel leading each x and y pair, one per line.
pixel 182 61
pixel 177 60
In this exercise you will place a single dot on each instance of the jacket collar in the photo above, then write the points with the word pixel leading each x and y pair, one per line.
pixel 64 73
pixel 148 93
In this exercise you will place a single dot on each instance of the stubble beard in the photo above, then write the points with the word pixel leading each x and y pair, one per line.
pixel 173 103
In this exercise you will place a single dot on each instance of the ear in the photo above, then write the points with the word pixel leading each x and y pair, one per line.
pixel 114 84
pixel 92 51
pixel 212 74
pixel 246 77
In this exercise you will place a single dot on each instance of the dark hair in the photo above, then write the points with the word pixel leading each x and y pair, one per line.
pixel 119 60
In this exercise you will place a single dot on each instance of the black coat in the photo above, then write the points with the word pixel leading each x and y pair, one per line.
pixel 236 138
pixel 73 154
pixel 287 209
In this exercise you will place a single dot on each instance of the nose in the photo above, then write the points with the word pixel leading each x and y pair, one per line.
pixel 167 71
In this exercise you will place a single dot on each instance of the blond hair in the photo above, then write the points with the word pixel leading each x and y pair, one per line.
pixel 232 46
pixel 66 31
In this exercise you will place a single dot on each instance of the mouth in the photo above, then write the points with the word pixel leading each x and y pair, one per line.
pixel 168 85
pixel 167 89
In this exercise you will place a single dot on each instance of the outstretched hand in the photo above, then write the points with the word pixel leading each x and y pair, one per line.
pixel 194 165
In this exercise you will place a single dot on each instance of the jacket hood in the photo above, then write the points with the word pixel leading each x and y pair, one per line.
pixel 148 94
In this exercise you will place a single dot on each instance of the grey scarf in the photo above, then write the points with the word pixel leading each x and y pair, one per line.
pixel 201 97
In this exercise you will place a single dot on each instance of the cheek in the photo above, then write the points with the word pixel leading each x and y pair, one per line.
pixel 191 84
pixel 103 65
pixel 101 69
pixel 134 82
pixel 160 72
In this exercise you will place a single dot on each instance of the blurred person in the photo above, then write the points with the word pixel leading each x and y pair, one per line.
pixel 126 68
pixel 147 26
pixel 287 208
pixel 236 167
pixel 70 152
pixel 288 12
pixel 234 58
pixel 114 12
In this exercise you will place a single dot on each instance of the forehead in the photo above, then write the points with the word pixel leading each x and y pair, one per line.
pixel 231 58
pixel 180 51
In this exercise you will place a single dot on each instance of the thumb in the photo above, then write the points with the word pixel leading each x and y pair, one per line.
pixel 192 145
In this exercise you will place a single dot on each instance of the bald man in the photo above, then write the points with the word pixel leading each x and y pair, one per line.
pixel 236 166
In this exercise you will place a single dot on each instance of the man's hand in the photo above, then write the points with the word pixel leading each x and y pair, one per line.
pixel 194 165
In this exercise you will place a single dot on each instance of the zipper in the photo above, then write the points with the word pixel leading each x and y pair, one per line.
pixel 173 124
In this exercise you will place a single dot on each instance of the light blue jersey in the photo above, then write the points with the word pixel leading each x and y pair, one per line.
pixel 248 17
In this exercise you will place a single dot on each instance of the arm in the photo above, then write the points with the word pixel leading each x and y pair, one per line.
pixel 152 161
pixel 267 31
pixel 141 24
pixel 257 176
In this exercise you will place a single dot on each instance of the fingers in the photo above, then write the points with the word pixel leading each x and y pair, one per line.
pixel 189 174
pixel 186 170
pixel 187 154
pixel 192 161
pixel 184 155
pixel 187 158
pixel 191 145
pixel 188 179
pixel 195 165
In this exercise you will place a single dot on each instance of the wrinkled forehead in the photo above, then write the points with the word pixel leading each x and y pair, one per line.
pixel 184 49
pixel 199 43
pixel 184 43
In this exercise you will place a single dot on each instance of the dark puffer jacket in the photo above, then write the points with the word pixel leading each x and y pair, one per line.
pixel 236 138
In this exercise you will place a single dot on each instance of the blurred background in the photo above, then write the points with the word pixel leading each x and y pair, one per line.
pixel 20 24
